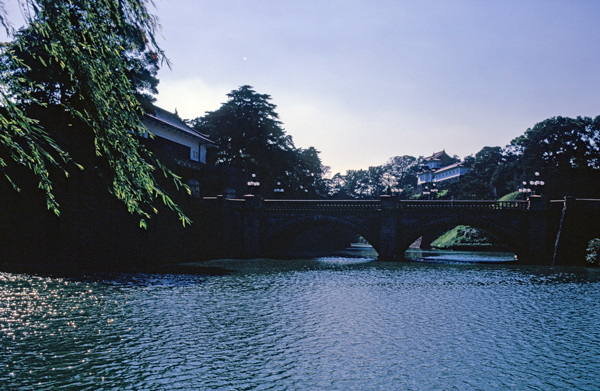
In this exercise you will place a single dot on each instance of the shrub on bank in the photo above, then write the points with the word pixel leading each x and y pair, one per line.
pixel 593 252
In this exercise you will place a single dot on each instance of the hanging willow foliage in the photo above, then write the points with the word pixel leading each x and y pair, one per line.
pixel 90 41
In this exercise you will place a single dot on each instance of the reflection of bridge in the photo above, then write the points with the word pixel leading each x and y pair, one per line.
pixel 530 228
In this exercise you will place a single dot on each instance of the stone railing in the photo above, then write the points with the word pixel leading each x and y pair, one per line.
pixel 462 205
pixel 330 205
pixel 348 205
pixel 583 203
pixel 589 204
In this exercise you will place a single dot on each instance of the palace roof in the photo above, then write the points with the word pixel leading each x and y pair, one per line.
pixel 441 156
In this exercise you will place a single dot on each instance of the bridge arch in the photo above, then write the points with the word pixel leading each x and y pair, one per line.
pixel 282 235
pixel 512 236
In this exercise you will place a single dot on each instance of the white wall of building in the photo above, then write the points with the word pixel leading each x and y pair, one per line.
pixel 197 151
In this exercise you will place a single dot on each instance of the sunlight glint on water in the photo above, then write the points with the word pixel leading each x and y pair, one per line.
pixel 329 323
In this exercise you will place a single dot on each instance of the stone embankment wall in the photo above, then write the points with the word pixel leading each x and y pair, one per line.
pixel 578 224
pixel 94 229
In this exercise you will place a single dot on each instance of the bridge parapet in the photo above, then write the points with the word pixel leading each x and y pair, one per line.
pixel 462 205
pixel 321 205
pixel 346 205
pixel 587 204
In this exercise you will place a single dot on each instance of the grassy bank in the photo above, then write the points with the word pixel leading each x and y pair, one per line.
pixel 463 237
pixel 514 196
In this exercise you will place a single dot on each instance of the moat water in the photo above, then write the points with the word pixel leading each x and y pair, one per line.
pixel 333 323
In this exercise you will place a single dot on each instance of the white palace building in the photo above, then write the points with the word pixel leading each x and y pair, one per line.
pixel 440 167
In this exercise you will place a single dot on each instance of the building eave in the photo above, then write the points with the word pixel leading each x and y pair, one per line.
pixel 455 165
pixel 190 133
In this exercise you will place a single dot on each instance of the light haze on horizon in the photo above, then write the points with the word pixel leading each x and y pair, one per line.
pixel 363 81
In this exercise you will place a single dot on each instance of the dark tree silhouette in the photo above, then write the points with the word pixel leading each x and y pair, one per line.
pixel 251 139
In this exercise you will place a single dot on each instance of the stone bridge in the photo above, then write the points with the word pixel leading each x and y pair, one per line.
pixel 530 228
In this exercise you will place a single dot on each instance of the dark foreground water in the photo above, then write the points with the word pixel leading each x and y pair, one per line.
pixel 328 324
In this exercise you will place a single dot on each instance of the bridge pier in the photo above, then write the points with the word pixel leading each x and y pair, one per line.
pixel 537 249
pixel 571 240
pixel 537 246
pixel 252 215
pixel 387 229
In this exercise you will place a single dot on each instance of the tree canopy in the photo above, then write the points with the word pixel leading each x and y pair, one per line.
pixel 251 139
pixel 398 174
pixel 97 59
pixel 564 152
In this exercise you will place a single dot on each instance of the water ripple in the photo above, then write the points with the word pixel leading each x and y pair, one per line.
pixel 322 324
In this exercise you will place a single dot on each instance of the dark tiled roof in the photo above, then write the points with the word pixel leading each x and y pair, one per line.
pixel 175 123
pixel 442 155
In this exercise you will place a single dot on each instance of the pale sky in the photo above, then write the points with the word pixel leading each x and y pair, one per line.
pixel 363 81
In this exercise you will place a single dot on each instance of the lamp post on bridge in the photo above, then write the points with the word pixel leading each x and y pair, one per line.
pixel 253 183
pixel 537 183
pixel 278 191
pixel 395 192
pixel 431 193
pixel 390 182
pixel 434 191
pixel 524 190
pixel 532 187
